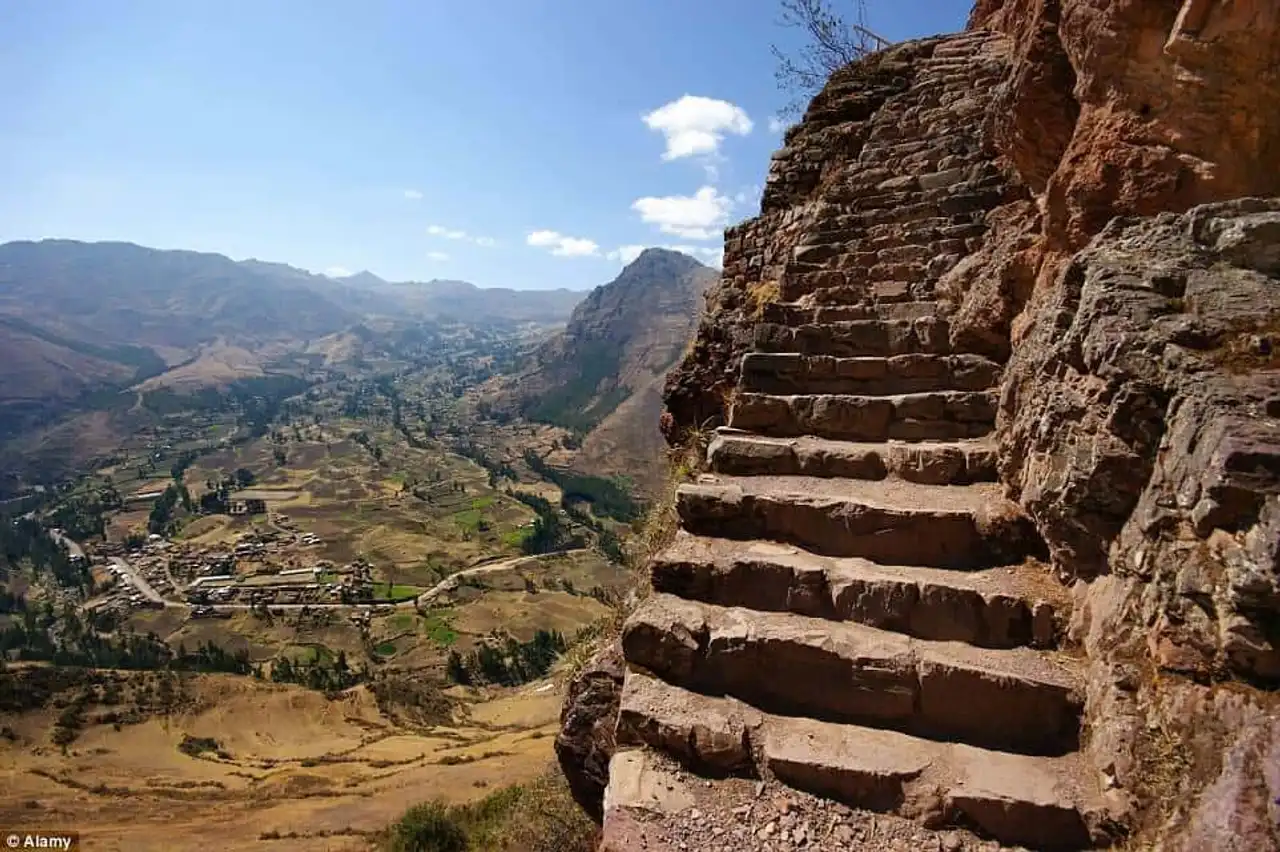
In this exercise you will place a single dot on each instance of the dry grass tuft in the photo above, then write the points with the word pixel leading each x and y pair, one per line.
pixel 540 816
pixel 661 523
pixel 760 294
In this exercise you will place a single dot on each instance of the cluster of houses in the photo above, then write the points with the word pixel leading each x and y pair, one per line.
pixel 261 567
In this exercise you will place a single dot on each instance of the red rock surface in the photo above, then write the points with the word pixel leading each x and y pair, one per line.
pixel 1139 414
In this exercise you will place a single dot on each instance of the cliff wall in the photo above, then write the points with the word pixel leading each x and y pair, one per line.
pixel 1089 196
pixel 1138 419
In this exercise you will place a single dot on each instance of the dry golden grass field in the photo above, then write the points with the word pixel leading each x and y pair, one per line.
pixel 296 770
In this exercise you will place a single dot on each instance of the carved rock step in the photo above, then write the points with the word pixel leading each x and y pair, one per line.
pixel 932 416
pixel 794 313
pixel 928 335
pixel 1039 802
pixel 1011 700
pixel 995 608
pixel 792 373
pixel 738 453
pixel 891 522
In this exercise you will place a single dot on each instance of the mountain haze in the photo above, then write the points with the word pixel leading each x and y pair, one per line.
pixel 77 315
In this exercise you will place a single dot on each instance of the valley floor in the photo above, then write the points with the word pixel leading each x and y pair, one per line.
pixel 298 770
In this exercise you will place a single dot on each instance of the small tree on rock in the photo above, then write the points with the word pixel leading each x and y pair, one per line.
pixel 832 41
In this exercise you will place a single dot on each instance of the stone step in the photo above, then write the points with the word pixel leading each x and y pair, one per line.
pixel 1048 803
pixel 792 373
pixel 993 608
pixel 1015 700
pixel 932 416
pixel 927 335
pixel 739 453
pixel 891 522
pixel 911 298
pixel 795 313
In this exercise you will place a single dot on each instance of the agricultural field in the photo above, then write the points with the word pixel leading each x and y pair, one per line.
pixel 416 515
pixel 245 761
pixel 395 579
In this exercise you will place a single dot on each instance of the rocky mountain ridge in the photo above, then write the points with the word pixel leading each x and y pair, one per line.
pixel 77 318
pixel 602 376
pixel 983 436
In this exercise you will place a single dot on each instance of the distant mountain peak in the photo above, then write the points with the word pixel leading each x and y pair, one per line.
pixel 363 278
pixel 657 254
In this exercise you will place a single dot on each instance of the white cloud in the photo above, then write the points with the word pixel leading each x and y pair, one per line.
pixel 447 233
pixel 455 234
pixel 701 216
pixel 696 125
pixel 713 256
pixel 562 246
pixel 778 125
pixel 412 194
pixel 337 272
pixel 437 255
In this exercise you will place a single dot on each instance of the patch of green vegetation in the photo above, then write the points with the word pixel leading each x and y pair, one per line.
pixel 510 663
pixel 401 621
pixel 516 537
pixel 439 630
pixel 395 592
pixel 325 577
pixel 482 503
pixel 198 746
pixel 538 816
pixel 385 649
pixel 571 404
pixel 310 654
pixel 469 519
pixel 611 497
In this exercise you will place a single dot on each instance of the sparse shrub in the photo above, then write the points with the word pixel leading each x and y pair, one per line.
pixel 411 698
pixel 198 746
pixel 429 827
pixel 455 759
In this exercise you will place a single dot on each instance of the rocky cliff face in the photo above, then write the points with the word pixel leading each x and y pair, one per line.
pixel 603 375
pixel 1139 416
pixel 1141 431
pixel 1075 200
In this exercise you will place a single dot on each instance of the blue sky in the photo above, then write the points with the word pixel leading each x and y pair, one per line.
pixel 520 143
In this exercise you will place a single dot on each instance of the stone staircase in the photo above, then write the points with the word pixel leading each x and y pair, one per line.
pixel 851 608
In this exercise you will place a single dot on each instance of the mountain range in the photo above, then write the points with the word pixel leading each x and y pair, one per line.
pixel 78 316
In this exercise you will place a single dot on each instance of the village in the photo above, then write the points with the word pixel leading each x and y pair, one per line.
pixel 264 567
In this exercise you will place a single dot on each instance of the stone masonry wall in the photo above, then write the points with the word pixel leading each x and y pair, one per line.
pixel 885 185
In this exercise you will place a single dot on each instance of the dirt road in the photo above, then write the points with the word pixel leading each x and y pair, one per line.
pixel 451 582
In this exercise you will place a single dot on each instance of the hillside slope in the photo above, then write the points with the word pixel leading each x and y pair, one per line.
pixel 603 375
pixel 78 317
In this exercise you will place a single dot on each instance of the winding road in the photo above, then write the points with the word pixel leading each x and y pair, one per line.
pixel 452 582
pixel 72 548
pixel 448 584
